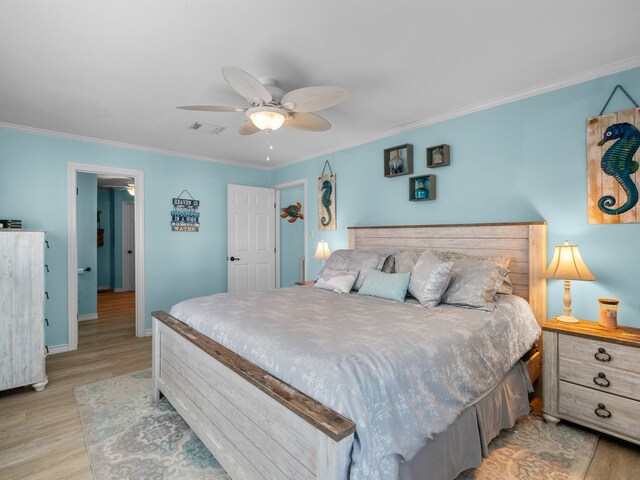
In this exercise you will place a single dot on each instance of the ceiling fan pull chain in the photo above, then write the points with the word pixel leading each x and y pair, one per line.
pixel 270 142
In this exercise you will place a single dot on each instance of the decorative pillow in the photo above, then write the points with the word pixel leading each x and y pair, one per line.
pixel 505 287
pixel 404 261
pixel 474 284
pixel 360 261
pixel 392 286
pixel 429 279
pixel 336 280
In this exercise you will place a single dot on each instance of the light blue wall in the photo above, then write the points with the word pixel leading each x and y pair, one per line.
pixel 33 187
pixel 291 237
pixel 518 162
pixel 105 252
pixel 87 201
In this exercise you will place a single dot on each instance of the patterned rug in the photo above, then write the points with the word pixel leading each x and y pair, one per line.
pixel 534 450
pixel 130 437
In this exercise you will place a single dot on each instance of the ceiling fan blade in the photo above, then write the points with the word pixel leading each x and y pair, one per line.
pixel 246 85
pixel 307 121
pixel 212 108
pixel 312 99
pixel 248 128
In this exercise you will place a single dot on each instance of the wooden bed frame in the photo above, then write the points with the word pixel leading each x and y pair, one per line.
pixel 260 427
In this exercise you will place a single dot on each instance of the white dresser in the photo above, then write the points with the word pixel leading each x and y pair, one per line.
pixel 22 297
pixel 591 376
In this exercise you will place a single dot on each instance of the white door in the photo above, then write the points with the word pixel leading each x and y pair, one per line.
pixel 128 247
pixel 250 238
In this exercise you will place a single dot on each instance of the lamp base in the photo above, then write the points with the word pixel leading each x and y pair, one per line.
pixel 567 319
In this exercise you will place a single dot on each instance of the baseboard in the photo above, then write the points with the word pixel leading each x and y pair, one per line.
pixel 58 349
pixel 148 332
pixel 87 316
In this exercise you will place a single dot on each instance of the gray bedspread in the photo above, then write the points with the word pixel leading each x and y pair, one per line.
pixel 401 372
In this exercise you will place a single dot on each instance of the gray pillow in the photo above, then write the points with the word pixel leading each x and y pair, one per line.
pixel 429 279
pixel 505 287
pixel 404 261
pixel 474 283
pixel 360 261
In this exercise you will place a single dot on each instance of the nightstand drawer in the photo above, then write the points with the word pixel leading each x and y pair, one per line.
pixel 600 377
pixel 588 351
pixel 591 406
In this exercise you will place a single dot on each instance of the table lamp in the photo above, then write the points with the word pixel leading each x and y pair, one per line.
pixel 567 265
pixel 322 251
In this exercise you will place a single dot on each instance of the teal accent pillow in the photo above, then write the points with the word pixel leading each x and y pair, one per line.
pixel 392 286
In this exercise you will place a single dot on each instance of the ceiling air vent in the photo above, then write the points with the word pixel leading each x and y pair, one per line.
pixel 206 127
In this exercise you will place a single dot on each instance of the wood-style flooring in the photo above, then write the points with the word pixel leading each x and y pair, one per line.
pixel 40 432
pixel 41 435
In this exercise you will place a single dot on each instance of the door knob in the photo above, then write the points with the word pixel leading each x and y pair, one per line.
pixel 233 259
pixel 129 251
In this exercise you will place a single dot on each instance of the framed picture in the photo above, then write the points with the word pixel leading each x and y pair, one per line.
pixel 422 187
pixel 438 156
pixel 398 160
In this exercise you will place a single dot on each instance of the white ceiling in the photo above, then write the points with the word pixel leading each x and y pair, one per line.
pixel 115 70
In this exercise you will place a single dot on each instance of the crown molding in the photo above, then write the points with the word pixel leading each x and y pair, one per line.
pixel 610 69
pixel 113 143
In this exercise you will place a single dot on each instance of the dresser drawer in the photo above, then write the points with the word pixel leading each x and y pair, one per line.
pixel 585 404
pixel 600 377
pixel 587 351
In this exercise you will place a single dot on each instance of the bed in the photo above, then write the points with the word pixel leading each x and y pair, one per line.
pixel 259 426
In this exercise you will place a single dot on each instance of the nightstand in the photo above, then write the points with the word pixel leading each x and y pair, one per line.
pixel 306 282
pixel 591 376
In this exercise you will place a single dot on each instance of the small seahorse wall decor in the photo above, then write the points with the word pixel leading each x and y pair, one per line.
pixel 613 141
pixel 327 202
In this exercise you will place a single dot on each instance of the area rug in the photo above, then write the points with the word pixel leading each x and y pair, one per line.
pixel 129 436
pixel 534 450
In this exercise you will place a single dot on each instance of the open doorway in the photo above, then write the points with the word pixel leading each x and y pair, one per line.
pixel 99 245
pixel 291 233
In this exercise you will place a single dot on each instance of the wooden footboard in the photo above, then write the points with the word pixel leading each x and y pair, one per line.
pixel 256 426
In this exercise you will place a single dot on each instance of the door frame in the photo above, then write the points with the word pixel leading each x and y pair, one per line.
pixel 284 186
pixel 125 232
pixel 72 245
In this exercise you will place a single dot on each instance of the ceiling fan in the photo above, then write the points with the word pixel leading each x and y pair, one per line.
pixel 270 108
pixel 129 187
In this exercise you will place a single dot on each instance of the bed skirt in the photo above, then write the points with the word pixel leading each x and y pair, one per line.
pixel 465 442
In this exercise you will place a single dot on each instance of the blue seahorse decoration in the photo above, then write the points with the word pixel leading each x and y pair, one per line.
pixel 326 202
pixel 618 162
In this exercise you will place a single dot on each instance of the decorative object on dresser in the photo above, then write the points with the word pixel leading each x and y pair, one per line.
pixel 422 187
pixel 15 224
pixel 591 376
pixel 322 251
pixel 327 199
pixel 567 265
pixel 608 312
pixel 22 348
pixel 612 188
pixel 398 160
pixel 438 156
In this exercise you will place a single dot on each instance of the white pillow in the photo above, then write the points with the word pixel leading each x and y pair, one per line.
pixel 429 279
pixel 338 281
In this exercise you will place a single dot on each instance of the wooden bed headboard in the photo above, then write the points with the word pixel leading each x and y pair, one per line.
pixel 525 243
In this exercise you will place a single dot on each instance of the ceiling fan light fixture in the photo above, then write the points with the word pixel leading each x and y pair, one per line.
pixel 267 118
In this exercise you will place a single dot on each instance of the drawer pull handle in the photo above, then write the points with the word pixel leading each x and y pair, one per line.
pixel 602 411
pixel 601 380
pixel 602 355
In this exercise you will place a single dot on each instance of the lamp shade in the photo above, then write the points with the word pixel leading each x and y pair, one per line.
pixel 567 264
pixel 322 251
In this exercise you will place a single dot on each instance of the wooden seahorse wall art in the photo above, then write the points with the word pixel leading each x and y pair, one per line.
pixel 613 142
